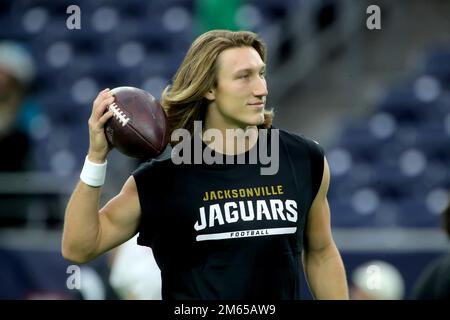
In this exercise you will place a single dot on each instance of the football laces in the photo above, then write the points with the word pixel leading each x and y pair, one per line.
pixel 119 114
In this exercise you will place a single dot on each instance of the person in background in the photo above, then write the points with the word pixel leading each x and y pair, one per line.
pixel 434 282
pixel 16 75
pixel 134 272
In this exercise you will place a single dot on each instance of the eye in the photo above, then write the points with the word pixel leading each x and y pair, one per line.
pixel 262 74
pixel 244 76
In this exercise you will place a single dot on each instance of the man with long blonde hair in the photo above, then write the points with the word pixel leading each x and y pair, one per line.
pixel 217 230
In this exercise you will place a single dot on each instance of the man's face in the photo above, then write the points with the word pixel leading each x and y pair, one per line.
pixel 240 95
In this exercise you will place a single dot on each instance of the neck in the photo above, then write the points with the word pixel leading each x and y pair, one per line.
pixel 229 139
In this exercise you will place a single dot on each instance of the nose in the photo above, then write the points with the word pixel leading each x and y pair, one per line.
pixel 260 89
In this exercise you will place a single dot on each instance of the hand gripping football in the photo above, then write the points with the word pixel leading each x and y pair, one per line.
pixel 138 127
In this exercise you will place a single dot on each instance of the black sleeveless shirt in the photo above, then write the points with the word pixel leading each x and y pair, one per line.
pixel 224 231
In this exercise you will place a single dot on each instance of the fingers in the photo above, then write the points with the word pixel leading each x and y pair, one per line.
pixel 104 99
pixel 100 95
pixel 100 113
pixel 97 139
pixel 105 118
pixel 103 107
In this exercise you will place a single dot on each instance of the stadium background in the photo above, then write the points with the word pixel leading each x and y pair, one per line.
pixel 378 101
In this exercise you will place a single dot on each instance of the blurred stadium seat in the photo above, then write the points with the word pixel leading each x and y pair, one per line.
pixel 406 141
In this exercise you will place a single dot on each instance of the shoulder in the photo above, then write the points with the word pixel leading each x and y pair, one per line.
pixel 298 141
pixel 437 270
pixel 153 166
pixel 441 265
pixel 301 147
pixel 433 282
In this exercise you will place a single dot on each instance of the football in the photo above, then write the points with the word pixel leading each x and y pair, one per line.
pixel 138 127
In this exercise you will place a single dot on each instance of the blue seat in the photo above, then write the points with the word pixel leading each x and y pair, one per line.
pixel 402 103
pixel 437 175
pixel 79 141
pixel 361 144
pixel 435 145
pixel 413 213
pixel 343 215
pixel 392 184
pixel 61 108
pixel 437 63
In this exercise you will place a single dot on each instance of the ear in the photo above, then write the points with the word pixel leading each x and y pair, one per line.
pixel 211 95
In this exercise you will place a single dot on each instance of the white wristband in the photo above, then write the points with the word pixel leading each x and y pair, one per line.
pixel 93 174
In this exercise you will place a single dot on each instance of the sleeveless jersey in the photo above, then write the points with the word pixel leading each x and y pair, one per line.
pixel 224 231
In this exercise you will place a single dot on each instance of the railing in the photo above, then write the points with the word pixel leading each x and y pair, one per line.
pixel 36 200
pixel 309 45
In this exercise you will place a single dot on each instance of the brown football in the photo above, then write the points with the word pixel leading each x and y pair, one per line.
pixel 138 127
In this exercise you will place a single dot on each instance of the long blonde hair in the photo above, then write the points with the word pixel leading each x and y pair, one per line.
pixel 184 101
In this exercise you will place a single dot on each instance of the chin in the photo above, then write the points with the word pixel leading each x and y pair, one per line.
pixel 253 120
pixel 253 123
pixel 259 120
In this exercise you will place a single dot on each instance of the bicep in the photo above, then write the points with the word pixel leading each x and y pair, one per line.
pixel 119 218
pixel 318 227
